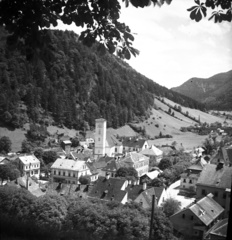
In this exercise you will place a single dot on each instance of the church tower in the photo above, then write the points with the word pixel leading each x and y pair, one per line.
pixel 100 137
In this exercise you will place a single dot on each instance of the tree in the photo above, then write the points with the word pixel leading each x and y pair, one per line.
pixel 8 171
pixel 26 146
pixel 129 173
pixel 49 157
pixel 39 153
pixel 84 180
pixel 99 17
pixel 162 227
pixel 171 206
pixel 165 163
pixel 75 142
pixel 5 144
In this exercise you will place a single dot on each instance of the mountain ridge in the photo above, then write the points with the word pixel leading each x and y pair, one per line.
pixel 214 91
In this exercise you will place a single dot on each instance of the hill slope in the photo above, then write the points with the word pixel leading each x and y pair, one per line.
pixel 72 85
pixel 215 91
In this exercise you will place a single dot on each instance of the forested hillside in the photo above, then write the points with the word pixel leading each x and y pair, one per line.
pixel 214 91
pixel 72 84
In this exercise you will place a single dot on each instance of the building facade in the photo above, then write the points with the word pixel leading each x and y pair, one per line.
pixel 29 165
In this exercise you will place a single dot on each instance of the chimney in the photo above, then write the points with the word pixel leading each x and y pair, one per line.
pixel 144 186
pixel 219 165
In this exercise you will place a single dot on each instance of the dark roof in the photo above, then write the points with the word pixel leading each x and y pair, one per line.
pixel 147 194
pixel 220 178
pixel 111 140
pixel 65 189
pixel 136 143
pixel 108 189
pixel 102 162
pixel 220 228
pixel 134 191
pixel 158 192
pixel 111 166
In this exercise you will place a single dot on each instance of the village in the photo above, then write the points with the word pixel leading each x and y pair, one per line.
pixel 133 170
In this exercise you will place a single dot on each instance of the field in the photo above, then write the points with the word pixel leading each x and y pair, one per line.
pixel 158 122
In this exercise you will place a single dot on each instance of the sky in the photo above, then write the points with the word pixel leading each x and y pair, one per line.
pixel 173 48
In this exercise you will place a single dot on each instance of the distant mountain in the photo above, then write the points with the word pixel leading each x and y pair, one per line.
pixel 63 82
pixel 215 92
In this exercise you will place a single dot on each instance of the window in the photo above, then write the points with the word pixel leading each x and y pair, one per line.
pixel 183 215
pixel 216 194
pixel 224 195
pixel 55 172
pixel 184 180
pixel 69 174
pixel 116 150
pixel 190 181
pixel 59 172
pixel 203 192
pixel 191 217
pixel 63 173
pixel 36 171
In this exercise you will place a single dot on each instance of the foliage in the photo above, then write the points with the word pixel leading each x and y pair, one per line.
pixel 5 144
pixel 39 153
pixel 26 146
pixel 84 180
pixel 49 157
pixel 210 145
pixel 74 85
pixel 165 163
pixel 75 142
pixel 129 173
pixel 8 171
pixel 171 206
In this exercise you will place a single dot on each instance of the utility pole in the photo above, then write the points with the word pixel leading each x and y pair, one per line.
pixel 152 215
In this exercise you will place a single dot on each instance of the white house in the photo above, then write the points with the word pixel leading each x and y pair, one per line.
pixel 69 170
pixel 29 164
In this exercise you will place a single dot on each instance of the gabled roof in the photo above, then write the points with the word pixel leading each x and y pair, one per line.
pixel 111 166
pixel 154 174
pixel 206 209
pixel 134 157
pixel 108 189
pixel 220 228
pixel 135 143
pixel 68 164
pixel 64 189
pixel 29 159
pixel 102 162
pixel 220 178
pixel 112 141
pixel 152 151
pixel 4 160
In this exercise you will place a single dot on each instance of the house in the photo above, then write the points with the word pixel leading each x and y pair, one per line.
pixel 144 197
pixel 105 143
pixel 190 177
pixel 136 160
pixel 218 231
pixel 216 179
pixel 109 189
pixel 196 219
pixel 66 146
pixel 28 183
pixel 223 154
pixel 29 165
pixel 67 189
pixel 69 170
pixel 100 163
pixel 151 175
pixel 134 144
pixel 154 154
pixel 4 160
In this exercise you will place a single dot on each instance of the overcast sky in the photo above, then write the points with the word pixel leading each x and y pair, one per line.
pixel 173 48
